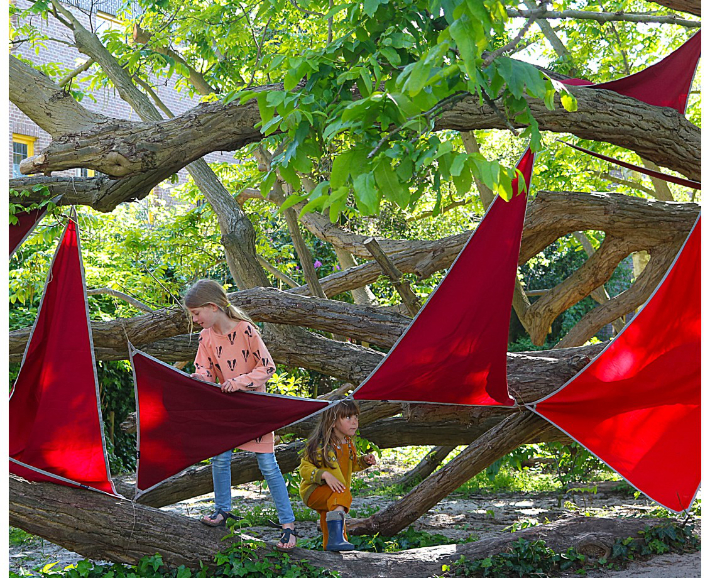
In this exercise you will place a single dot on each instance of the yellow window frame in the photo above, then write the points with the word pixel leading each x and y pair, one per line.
pixel 27 140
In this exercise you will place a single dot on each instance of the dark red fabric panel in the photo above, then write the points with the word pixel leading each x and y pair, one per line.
pixel 666 83
pixel 644 170
pixel 637 405
pixel 182 420
pixel 455 349
pixel 21 230
pixel 55 421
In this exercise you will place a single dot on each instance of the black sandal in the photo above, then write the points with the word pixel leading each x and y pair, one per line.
pixel 223 522
pixel 286 538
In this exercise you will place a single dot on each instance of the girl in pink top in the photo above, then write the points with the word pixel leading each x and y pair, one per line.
pixel 232 353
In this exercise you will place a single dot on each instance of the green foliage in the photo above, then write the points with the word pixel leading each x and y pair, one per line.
pixel 117 401
pixel 238 560
pixel 524 558
pixel 534 558
pixel 16 208
pixel 405 540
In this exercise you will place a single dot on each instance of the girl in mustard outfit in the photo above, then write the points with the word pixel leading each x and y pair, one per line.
pixel 326 469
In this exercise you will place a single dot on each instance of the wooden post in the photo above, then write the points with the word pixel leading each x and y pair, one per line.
pixel 401 285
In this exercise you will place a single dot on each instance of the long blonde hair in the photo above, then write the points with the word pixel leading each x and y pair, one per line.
pixel 207 291
pixel 323 437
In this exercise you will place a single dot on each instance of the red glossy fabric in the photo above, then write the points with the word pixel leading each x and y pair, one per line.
pixel 637 405
pixel 182 421
pixel 666 83
pixel 27 221
pixel 455 349
pixel 55 420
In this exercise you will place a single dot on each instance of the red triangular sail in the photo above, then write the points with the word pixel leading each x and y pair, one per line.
pixel 455 349
pixel 55 420
pixel 636 406
pixel 182 421
pixel 666 83
pixel 27 221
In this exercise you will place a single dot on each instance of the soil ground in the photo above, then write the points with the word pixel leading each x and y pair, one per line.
pixel 456 517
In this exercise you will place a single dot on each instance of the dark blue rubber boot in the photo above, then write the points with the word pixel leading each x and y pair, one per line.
pixel 336 537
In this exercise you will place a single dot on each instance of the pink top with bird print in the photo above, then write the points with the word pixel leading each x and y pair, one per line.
pixel 239 356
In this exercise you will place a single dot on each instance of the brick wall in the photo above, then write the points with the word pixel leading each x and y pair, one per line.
pixel 107 101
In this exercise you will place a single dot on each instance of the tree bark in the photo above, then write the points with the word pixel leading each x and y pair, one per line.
pixel 101 527
pixel 514 431
pixel 375 325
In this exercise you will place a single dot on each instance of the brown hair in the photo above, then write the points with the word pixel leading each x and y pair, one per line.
pixel 206 291
pixel 323 437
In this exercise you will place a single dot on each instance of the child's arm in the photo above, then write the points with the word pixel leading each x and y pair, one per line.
pixel 315 475
pixel 204 366
pixel 364 462
pixel 311 473
pixel 263 366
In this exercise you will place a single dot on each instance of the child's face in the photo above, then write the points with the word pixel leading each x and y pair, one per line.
pixel 347 426
pixel 205 316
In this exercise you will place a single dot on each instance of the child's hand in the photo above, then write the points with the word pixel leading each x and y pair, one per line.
pixel 333 483
pixel 370 459
pixel 228 386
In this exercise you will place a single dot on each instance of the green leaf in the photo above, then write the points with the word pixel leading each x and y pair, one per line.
pixel 265 111
pixel 464 34
pixel 336 196
pixel 337 205
pixel 366 196
pixel 272 126
pixel 316 203
pixel 463 180
pixel 276 62
pixel 370 7
pixel 348 163
pixel 389 185
pixel 182 69
pixel 291 79
pixel 458 164
pixel 391 55
pixel 292 200
pixel 417 78
pixel 267 184
pixel 569 101
pixel 289 175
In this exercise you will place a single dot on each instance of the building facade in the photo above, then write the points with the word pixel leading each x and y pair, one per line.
pixel 28 139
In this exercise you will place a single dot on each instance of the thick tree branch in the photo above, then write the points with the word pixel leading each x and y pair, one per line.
pixel 661 135
pixel 661 258
pixel 76 519
pixel 50 107
pixel 122 148
pixel 596 271
pixel 543 13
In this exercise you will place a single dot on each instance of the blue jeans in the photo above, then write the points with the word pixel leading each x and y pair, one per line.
pixel 222 481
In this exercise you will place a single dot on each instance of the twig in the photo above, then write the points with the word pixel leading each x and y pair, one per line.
pixel 510 46
pixel 127 298
pixel 259 47
pixel 76 72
